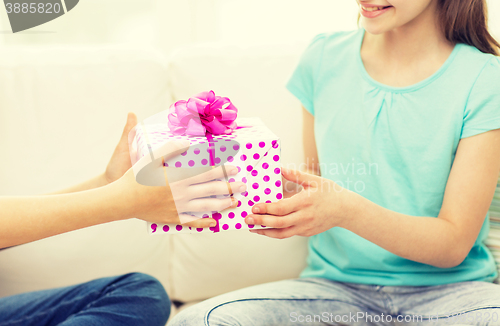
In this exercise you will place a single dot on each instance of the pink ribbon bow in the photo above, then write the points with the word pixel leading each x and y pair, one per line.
pixel 203 114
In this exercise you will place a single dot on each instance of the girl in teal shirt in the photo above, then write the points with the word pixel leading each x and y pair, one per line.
pixel 402 142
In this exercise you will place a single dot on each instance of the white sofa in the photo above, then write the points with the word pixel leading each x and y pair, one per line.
pixel 61 114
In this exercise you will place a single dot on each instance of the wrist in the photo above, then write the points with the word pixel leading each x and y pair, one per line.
pixel 99 181
pixel 121 202
pixel 105 179
pixel 350 203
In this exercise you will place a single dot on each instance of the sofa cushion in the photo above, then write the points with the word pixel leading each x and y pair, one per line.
pixel 62 112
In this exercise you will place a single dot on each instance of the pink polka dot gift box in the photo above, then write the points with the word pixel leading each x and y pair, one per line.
pixel 244 142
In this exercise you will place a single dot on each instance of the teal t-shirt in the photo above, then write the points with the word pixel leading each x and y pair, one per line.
pixel 395 146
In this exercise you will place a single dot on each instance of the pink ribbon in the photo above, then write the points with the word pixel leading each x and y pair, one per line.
pixel 211 149
pixel 203 114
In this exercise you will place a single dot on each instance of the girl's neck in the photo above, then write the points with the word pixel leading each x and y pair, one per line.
pixel 408 54
pixel 420 37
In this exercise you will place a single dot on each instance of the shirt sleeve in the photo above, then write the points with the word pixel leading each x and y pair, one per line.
pixel 301 84
pixel 482 112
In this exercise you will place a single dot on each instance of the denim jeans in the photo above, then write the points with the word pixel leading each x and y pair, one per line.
pixel 314 301
pixel 132 299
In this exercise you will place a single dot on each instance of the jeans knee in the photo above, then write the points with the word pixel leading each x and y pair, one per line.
pixel 208 314
pixel 154 298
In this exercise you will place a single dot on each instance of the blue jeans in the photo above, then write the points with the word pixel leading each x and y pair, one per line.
pixel 314 301
pixel 132 299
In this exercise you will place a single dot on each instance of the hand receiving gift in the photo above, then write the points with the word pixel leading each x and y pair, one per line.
pixel 188 194
pixel 319 206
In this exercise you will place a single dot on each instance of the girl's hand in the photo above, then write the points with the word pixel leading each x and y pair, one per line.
pixel 321 205
pixel 290 188
pixel 120 160
pixel 169 204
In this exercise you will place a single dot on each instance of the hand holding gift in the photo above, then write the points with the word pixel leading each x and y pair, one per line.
pixel 169 204
pixel 319 206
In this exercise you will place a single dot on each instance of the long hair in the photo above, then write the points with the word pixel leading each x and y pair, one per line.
pixel 466 21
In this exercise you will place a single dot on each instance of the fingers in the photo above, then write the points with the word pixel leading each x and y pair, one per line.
pixel 281 208
pixel 279 222
pixel 129 131
pixel 202 223
pixel 290 188
pixel 214 188
pixel 234 203
pixel 132 145
pixel 187 220
pixel 209 204
pixel 217 173
pixel 304 179
pixel 131 123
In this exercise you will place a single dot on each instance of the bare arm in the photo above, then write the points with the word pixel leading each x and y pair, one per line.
pixel 114 195
pixel 446 240
pixel 26 219
pixel 96 182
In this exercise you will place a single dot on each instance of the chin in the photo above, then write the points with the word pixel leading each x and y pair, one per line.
pixel 374 28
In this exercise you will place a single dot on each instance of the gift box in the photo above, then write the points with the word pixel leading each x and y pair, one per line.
pixel 251 147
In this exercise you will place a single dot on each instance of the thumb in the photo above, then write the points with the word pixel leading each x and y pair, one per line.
pixel 131 123
pixel 301 178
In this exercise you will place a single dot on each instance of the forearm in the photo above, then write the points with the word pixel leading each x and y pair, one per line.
pixel 26 219
pixel 96 182
pixel 428 240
